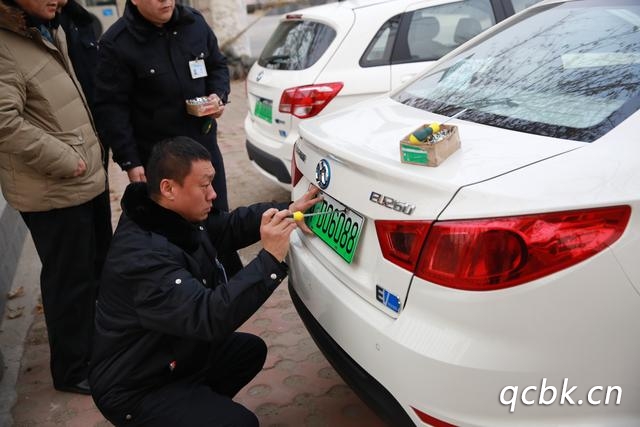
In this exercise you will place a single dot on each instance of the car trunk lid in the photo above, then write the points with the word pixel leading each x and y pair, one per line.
pixel 362 158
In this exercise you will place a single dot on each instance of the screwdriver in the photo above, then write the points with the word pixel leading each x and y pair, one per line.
pixel 299 216
pixel 419 136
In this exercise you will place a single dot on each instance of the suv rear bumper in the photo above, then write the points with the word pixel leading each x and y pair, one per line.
pixel 270 164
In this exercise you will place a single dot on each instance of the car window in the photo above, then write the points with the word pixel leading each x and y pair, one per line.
pixel 545 74
pixel 296 45
pixel 519 5
pixel 428 34
pixel 379 50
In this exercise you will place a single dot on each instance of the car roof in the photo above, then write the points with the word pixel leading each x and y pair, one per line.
pixel 346 4
pixel 355 4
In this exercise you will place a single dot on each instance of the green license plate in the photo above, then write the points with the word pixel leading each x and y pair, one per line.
pixel 340 228
pixel 263 110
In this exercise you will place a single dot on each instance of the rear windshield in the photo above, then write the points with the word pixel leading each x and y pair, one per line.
pixel 296 45
pixel 569 70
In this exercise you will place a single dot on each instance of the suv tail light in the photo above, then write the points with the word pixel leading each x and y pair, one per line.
pixel 296 175
pixel 496 253
pixel 307 101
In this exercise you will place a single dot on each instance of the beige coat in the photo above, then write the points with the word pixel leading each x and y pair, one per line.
pixel 45 124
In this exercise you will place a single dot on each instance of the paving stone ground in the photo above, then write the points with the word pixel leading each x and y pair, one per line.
pixel 297 386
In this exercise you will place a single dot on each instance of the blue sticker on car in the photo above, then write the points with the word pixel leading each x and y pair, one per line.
pixel 388 299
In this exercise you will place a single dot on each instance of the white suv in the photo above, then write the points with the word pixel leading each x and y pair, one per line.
pixel 322 58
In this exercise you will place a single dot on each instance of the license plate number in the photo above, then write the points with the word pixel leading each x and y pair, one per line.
pixel 263 110
pixel 339 228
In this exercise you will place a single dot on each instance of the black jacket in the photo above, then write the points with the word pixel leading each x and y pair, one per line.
pixel 163 299
pixel 82 43
pixel 143 79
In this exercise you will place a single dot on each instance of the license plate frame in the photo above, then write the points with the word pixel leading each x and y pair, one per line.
pixel 264 110
pixel 336 229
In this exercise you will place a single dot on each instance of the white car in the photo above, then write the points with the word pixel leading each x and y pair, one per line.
pixel 323 58
pixel 502 286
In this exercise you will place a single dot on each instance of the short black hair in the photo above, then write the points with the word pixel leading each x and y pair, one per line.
pixel 171 159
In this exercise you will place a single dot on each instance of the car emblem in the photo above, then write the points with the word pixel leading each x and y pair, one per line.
pixel 323 174
pixel 260 76
pixel 391 203
pixel 300 153
pixel 388 299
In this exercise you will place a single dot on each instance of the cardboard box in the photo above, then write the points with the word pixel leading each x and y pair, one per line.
pixel 431 152
pixel 202 106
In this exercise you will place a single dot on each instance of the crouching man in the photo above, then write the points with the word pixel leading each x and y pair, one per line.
pixel 166 352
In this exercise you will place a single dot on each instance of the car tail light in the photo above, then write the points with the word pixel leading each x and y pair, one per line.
pixel 496 253
pixel 307 101
pixel 401 241
pixel 296 175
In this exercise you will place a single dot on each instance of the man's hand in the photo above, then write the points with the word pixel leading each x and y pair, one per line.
pixel 216 99
pixel 275 229
pixel 307 200
pixel 218 113
pixel 137 174
pixel 81 168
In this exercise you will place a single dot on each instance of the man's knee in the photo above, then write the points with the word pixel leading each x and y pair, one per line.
pixel 242 417
pixel 261 348
pixel 258 351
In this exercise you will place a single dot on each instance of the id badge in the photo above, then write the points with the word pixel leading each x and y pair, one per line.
pixel 198 69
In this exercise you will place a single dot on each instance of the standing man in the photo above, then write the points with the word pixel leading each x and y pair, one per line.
pixel 51 171
pixel 151 61
pixel 166 351
pixel 82 43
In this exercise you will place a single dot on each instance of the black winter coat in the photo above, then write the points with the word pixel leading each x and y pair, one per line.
pixel 143 79
pixel 163 302
pixel 82 43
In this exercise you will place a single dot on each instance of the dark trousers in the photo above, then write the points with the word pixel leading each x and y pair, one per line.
pixel 204 399
pixel 230 260
pixel 220 178
pixel 72 244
